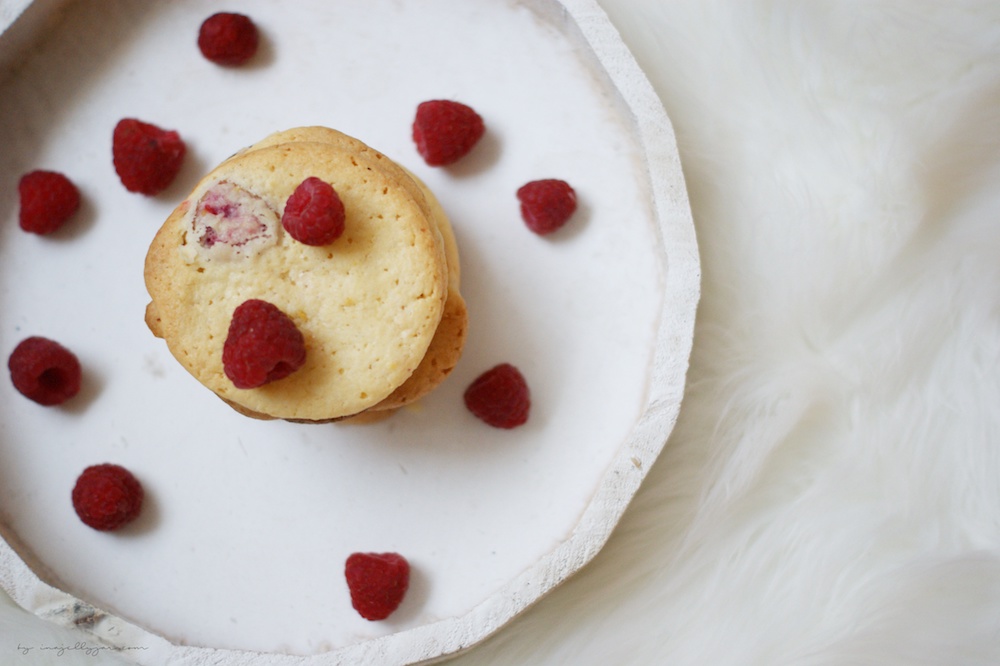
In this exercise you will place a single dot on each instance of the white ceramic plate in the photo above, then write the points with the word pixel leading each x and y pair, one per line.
pixel 239 553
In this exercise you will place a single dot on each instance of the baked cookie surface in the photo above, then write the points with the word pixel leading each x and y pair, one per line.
pixel 369 304
pixel 446 347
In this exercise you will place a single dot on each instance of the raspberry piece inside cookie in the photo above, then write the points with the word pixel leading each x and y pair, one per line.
pixel 377 582
pixel 446 131
pixel 230 220
pixel 48 200
pixel 107 497
pixel 314 213
pixel 499 397
pixel 44 371
pixel 146 157
pixel 263 345
pixel 546 205
pixel 228 39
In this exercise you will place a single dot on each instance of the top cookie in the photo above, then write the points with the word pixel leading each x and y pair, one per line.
pixel 368 304
pixel 406 178
pixel 449 339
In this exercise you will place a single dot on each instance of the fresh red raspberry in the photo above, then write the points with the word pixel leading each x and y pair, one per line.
pixel 263 345
pixel 500 397
pixel 446 131
pixel 146 157
pixel 546 204
pixel 107 497
pixel 228 39
pixel 48 200
pixel 44 371
pixel 314 214
pixel 378 583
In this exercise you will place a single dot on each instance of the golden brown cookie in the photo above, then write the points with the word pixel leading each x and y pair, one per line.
pixel 448 343
pixel 369 304
pixel 449 340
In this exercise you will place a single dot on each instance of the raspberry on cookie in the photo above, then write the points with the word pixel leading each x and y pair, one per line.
pixel 262 346
pixel 314 214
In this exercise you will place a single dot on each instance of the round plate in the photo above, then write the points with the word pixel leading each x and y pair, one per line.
pixel 238 556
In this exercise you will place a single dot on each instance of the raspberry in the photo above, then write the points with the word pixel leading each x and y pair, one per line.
pixel 446 131
pixel 228 39
pixel 48 200
pixel 146 157
pixel 547 204
pixel 107 497
pixel 378 583
pixel 314 214
pixel 263 345
pixel 499 397
pixel 44 371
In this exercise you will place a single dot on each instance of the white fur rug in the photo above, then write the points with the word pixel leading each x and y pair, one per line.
pixel 831 495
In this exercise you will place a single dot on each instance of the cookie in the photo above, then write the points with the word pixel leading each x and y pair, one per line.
pixel 405 177
pixel 446 347
pixel 369 304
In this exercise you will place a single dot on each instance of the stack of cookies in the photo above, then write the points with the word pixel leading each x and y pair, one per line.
pixel 379 308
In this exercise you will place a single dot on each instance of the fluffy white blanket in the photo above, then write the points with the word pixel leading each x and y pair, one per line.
pixel 831 494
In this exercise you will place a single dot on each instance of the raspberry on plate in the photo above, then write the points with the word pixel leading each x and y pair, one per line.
pixel 107 497
pixel 377 582
pixel 499 397
pixel 228 39
pixel 445 131
pixel 48 200
pixel 314 213
pixel 44 371
pixel 263 345
pixel 546 204
pixel 146 157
